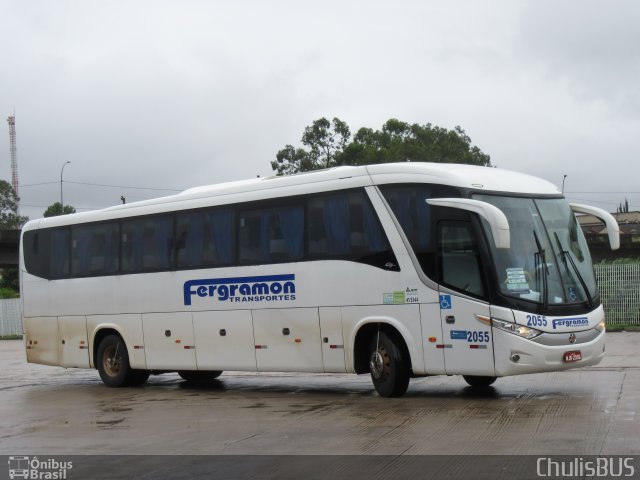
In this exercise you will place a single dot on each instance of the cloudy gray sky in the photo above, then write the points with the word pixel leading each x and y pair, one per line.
pixel 168 94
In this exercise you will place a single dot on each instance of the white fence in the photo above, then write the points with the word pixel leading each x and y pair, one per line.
pixel 619 286
pixel 619 292
pixel 10 317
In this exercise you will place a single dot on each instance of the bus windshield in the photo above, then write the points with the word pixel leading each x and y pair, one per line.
pixel 548 262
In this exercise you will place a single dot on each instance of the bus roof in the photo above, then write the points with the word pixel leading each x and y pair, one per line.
pixel 457 175
pixel 460 175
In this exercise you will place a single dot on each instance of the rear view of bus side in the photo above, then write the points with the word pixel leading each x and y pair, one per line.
pixel 395 270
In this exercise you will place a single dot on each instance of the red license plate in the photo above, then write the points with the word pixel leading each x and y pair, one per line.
pixel 572 356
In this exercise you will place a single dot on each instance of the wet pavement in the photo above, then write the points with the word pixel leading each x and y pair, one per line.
pixel 591 411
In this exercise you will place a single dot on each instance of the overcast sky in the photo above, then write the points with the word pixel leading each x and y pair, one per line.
pixel 171 95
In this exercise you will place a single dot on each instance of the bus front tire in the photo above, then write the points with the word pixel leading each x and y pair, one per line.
pixel 113 364
pixel 389 370
pixel 200 376
pixel 477 381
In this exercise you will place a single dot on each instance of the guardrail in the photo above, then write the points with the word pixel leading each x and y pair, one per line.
pixel 619 286
pixel 10 317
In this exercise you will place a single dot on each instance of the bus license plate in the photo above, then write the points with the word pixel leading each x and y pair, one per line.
pixel 572 356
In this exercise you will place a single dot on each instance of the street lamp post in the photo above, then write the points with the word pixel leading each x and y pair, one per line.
pixel 563 179
pixel 62 170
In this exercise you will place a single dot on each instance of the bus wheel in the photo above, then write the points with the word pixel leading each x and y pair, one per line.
pixel 113 362
pixel 478 381
pixel 389 371
pixel 201 376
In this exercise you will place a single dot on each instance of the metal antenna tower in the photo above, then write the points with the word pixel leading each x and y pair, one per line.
pixel 14 153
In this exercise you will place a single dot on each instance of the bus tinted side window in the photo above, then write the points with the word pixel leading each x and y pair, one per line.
pixel 408 202
pixel 344 225
pixel 271 235
pixel 338 225
pixel 147 244
pixel 95 249
pixel 36 252
pixel 459 258
pixel 59 253
pixel 205 238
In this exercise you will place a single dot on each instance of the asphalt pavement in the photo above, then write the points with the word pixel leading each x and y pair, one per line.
pixel 56 411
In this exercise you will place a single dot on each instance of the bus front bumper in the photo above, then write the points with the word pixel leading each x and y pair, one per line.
pixel 515 355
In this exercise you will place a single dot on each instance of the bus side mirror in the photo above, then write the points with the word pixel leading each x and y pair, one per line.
pixel 613 229
pixel 492 214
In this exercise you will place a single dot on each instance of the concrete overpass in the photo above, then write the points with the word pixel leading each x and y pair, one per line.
pixel 9 247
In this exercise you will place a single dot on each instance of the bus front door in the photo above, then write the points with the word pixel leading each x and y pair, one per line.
pixel 465 315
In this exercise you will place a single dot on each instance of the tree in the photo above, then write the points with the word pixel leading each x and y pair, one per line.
pixel 57 209
pixel 624 207
pixel 9 218
pixel 325 140
pixel 396 141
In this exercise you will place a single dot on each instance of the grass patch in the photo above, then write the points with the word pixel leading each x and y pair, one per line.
pixel 623 328
pixel 8 293
pixel 11 337
pixel 619 261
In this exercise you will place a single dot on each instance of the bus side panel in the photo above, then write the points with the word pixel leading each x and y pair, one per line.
pixel 41 339
pixel 36 296
pixel 432 338
pixel 405 318
pixel 74 349
pixel 129 327
pixel 224 340
pixel 332 341
pixel 287 340
pixel 169 342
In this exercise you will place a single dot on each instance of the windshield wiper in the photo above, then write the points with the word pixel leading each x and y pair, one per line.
pixel 539 257
pixel 566 255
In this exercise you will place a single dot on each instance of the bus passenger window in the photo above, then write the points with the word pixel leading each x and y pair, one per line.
pixel 409 205
pixel 459 258
pixel 272 235
pixel 94 249
pixel 36 252
pixel 345 226
pixel 59 258
pixel 205 239
pixel 147 244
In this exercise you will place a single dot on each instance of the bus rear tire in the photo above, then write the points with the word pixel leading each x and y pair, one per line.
pixel 200 376
pixel 113 363
pixel 389 370
pixel 476 381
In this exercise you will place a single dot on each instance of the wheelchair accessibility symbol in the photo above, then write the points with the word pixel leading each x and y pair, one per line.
pixel 445 302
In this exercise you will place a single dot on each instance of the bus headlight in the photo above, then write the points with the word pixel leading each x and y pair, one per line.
pixel 520 330
pixel 602 325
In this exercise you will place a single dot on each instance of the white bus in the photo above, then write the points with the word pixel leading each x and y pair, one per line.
pixel 397 270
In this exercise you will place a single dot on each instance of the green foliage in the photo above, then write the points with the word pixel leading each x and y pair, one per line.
pixel 622 327
pixel 9 283
pixel 9 279
pixel 623 207
pixel 325 139
pixel 9 293
pixel 9 218
pixel 396 141
pixel 57 209
pixel 619 261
